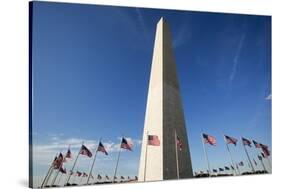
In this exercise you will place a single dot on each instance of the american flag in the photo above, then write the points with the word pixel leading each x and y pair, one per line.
pixel 265 150
pixel 68 154
pixel 257 145
pixel 209 139
pixel 71 172
pixel 78 173
pixel 126 145
pixel 153 140
pixel 246 142
pixel 179 143
pixel 241 163
pixel 101 148
pixel 85 151
pixel 230 140
pixel 58 161
pixel 54 164
pixel 63 170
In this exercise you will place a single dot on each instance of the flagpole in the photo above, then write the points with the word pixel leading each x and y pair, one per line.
pixel 115 171
pixel 59 179
pixel 145 161
pixel 80 180
pixel 44 180
pixel 229 154
pixel 177 160
pixel 248 156
pixel 269 163
pixel 49 171
pixel 206 156
pixel 71 171
pixel 90 173
pixel 263 165
pixel 237 166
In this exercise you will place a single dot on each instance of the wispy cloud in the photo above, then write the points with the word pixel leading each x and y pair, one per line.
pixel 142 23
pixel 183 35
pixel 236 58
pixel 268 97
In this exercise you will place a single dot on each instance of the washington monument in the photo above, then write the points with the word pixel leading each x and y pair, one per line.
pixel 164 118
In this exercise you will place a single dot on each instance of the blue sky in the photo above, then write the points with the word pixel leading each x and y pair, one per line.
pixel 91 67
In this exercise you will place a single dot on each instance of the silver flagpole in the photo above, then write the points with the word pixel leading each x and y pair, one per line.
pixel 206 156
pixel 60 178
pixel 229 154
pixel 44 180
pixel 269 163
pixel 71 171
pixel 115 171
pixel 145 161
pixel 80 180
pixel 49 171
pixel 177 160
pixel 90 173
pixel 248 156
pixel 49 176
pixel 237 166
pixel 263 165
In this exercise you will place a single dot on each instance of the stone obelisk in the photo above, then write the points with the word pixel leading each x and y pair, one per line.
pixel 164 117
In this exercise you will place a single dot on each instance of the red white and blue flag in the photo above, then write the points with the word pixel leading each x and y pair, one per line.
pixel 265 150
pixel 208 139
pixel 126 145
pixel 257 145
pixel 101 148
pixel 246 142
pixel 230 140
pixel 85 151
pixel 63 170
pixel 241 163
pixel 179 143
pixel 78 173
pixel 58 162
pixel 153 140
pixel 68 154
